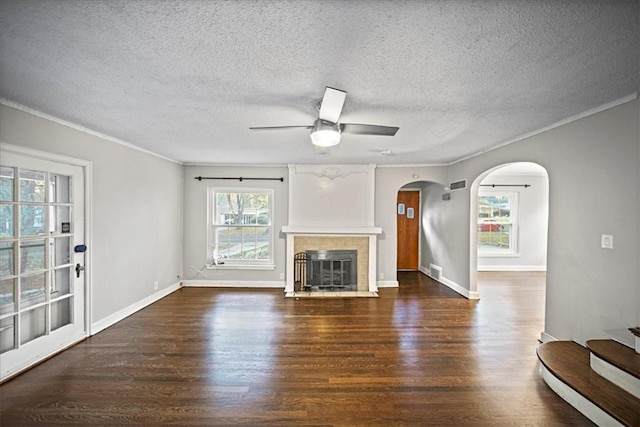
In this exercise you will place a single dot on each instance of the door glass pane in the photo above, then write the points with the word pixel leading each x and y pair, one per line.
pixel 7 251
pixel 60 219
pixel 6 184
pixel 61 282
pixel 32 290
pixel 60 313
pixel 32 186
pixel 7 334
pixel 31 220
pixel 6 220
pixel 59 189
pixel 7 296
pixel 31 255
pixel 32 324
pixel 60 251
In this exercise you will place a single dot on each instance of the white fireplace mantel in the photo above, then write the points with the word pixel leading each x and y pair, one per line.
pixel 330 230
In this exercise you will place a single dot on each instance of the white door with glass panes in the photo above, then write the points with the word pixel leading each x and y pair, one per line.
pixel 42 283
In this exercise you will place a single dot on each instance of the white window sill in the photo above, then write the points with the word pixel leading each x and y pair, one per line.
pixel 241 267
pixel 499 255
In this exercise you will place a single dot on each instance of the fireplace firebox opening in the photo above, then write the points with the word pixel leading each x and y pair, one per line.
pixel 331 270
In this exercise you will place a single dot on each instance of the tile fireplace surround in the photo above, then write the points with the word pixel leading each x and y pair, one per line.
pixel 362 239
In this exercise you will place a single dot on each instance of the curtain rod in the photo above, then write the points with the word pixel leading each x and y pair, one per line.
pixel 506 185
pixel 240 178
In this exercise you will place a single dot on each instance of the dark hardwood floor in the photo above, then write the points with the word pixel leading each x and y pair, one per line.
pixel 417 355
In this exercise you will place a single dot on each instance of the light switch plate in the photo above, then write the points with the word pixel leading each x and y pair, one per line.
pixel 606 241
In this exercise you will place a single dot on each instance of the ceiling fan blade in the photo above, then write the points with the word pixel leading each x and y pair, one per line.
pixel 280 127
pixel 360 129
pixel 332 103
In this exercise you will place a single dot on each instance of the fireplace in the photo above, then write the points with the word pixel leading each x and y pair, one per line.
pixel 303 244
pixel 331 270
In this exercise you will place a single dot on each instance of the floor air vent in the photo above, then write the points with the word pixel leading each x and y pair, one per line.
pixel 436 272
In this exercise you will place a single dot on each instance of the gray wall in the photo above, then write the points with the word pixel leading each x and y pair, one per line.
pixel 436 236
pixel 388 181
pixel 533 213
pixel 594 170
pixel 195 223
pixel 136 206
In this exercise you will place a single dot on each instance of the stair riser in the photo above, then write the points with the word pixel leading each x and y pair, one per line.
pixel 620 378
pixel 575 399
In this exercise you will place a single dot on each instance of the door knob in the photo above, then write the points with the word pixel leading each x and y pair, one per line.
pixel 79 268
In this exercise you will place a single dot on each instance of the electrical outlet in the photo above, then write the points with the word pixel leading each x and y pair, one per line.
pixel 155 286
pixel 606 241
pixel 281 276
pixel 381 276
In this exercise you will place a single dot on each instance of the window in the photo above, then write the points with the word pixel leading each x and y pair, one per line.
pixel 497 223
pixel 241 231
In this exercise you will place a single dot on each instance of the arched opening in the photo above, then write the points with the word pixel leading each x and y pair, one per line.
pixel 411 235
pixel 509 221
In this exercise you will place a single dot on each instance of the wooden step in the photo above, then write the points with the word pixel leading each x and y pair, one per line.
pixel 617 363
pixel 619 355
pixel 569 363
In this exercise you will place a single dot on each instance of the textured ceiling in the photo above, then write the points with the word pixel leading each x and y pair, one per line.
pixel 187 78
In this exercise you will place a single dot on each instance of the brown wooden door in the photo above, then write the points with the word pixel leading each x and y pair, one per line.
pixel 408 213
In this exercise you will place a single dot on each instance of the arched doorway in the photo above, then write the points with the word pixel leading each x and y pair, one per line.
pixel 411 236
pixel 509 220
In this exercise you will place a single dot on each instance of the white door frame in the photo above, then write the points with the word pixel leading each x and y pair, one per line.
pixel 86 166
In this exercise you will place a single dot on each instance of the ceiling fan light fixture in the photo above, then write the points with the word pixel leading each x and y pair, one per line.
pixel 325 134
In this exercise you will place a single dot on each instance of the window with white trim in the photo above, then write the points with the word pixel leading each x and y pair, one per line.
pixel 497 223
pixel 240 227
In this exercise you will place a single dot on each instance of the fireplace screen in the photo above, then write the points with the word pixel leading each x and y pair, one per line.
pixel 331 270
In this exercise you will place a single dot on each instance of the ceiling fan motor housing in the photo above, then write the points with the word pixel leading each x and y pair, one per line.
pixel 325 133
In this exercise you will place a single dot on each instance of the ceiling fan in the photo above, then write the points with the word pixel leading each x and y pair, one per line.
pixel 326 130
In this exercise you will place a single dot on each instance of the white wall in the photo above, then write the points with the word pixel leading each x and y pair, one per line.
pixel 594 173
pixel 331 195
pixel 533 213
pixel 195 224
pixel 436 238
pixel 136 206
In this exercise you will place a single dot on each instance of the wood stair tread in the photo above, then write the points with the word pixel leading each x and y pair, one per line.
pixel 616 354
pixel 569 362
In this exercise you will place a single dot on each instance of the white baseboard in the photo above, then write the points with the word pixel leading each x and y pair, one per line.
pixel 388 284
pixel 545 337
pixel 512 268
pixel 233 284
pixel 459 289
pixel 450 284
pixel 102 324
pixel 424 270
